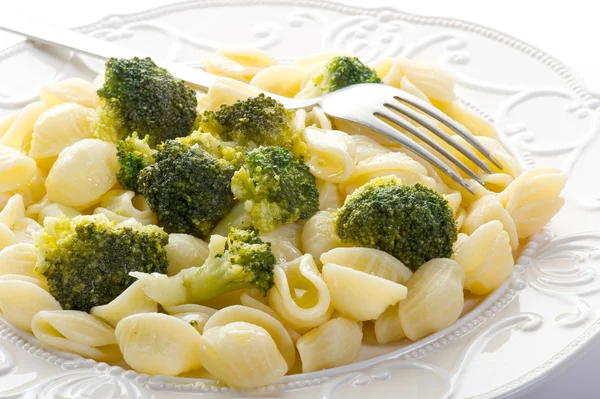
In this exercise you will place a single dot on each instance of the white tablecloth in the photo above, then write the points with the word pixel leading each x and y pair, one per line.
pixel 568 30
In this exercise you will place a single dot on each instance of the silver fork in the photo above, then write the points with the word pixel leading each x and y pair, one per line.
pixel 377 107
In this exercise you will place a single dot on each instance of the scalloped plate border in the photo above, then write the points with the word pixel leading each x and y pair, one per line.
pixel 485 310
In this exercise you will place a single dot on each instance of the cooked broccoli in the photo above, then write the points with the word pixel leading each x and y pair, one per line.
pixel 279 186
pixel 228 153
pixel 256 121
pixel 134 154
pixel 187 188
pixel 412 223
pixel 87 259
pixel 242 260
pixel 344 71
pixel 138 96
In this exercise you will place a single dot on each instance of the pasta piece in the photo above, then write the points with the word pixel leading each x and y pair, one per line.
pixel 486 209
pixel 156 343
pixel 21 300
pixel 22 128
pixel 167 291
pixel 226 91
pixel 183 251
pixel 73 90
pixel 195 315
pixel 331 154
pixel 76 332
pixel 300 295
pixel 319 236
pixel 486 257
pixel 471 120
pixel 371 261
pixel 367 148
pixel 359 295
pixel 533 199
pixel 16 169
pixel 333 344
pixel 131 301
pixel 510 165
pixel 388 327
pixel 58 128
pixel 391 163
pixel 120 205
pixel 316 117
pixel 237 217
pixel 56 210
pixel 36 189
pixel 241 354
pixel 83 173
pixel 256 317
pixel 12 218
pixel 19 259
pixel 435 298
pixel 433 81
pixel 284 240
pixel 250 301
pixel 26 230
pixel 40 282
pixel 407 86
pixel 460 218
pixel 6 122
pixel 7 237
pixel 454 200
pixel 13 212
pixel 239 64
pixel 329 195
pixel 189 308
pixel 283 80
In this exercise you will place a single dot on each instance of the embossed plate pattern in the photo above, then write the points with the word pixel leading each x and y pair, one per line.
pixel 544 315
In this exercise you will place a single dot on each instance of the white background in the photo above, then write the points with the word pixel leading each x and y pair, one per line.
pixel 566 29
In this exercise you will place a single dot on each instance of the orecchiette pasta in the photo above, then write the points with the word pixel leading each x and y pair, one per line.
pixel 486 209
pixel 120 205
pixel 195 315
pixel 40 282
pixel 131 301
pixel 13 212
pixel 469 119
pixel 6 122
pixel 318 235
pixel 252 302
pixel 16 169
pixel 370 261
pixel 83 173
pixel 226 91
pixel 486 257
pixel 303 309
pixel 388 327
pixel 367 148
pixel 157 343
pixel 285 241
pixel 391 163
pixel 359 295
pixel 21 300
pixel 59 127
pixel 183 251
pixel 167 291
pixel 20 131
pixel 242 354
pixel 334 343
pixel 239 64
pixel 329 195
pixel 331 154
pixel 533 199
pixel 250 315
pixel 73 90
pixel 19 259
pixel 283 80
pixel 435 298
pixel 76 332
pixel 238 217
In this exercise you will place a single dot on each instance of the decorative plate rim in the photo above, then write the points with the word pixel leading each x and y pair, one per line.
pixel 489 306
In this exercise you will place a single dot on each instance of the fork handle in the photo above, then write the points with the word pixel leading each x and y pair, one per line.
pixel 51 34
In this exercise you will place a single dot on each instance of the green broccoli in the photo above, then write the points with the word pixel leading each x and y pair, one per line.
pixel 138 96
pixel 242 260
pixel 412 223
pixel 134 154
pixel 187 188
pixel 256 121
pixel 87 259
pixel 279 186
pixel 344 71
pixel 228 153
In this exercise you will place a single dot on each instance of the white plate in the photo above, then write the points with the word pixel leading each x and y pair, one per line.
pixel 542 317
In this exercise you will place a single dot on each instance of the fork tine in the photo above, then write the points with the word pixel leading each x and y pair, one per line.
pixel 398 120
pixel 449 122
pixel 418 118
pixel 380 126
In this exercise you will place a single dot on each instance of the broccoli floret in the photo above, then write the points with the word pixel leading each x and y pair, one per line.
pixel 134 154
pixel 188 189
pixel 87 259
pixel 256 121
pixel 228 153
pixel 279 186
pixel 138 96
pixel 412 223
pixel 242 260
pixel 344 71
